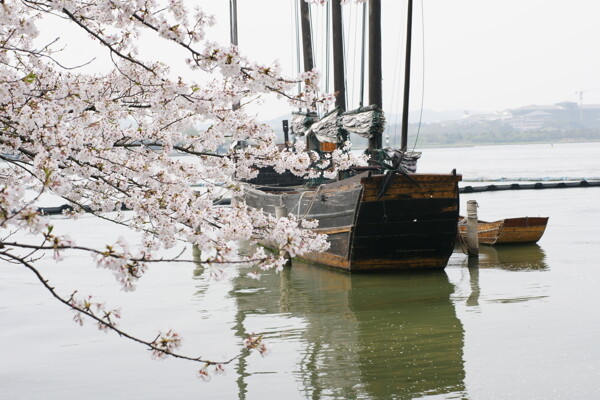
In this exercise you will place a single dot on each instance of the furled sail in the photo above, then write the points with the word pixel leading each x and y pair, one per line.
pixel 364 121
pixel 408 160
pixel 327 129
pixel 301 122
pixel 395 159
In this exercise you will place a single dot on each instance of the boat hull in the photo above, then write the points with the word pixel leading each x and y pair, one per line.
pixel 523 230
pixel 376 222
pixel 509 230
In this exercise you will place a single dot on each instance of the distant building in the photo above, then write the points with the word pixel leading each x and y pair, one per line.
pixel 474 118
pixel 482 117
pixel 530 121
pixel 590 115
pixel 534 117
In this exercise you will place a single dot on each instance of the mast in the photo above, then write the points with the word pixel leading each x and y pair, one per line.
pixel 339 85
pixel 362 54
pixel 404 134
pixel 306 36
pixel 233 34
pixel 233 31
pixel 375 79
pixel 312 143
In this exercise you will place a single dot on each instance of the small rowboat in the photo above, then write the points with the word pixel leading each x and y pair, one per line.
pixel 509 230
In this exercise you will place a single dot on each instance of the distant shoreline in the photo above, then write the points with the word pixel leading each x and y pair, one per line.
pixel 457 145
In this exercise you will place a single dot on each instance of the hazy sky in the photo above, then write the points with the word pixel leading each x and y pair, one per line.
pixel 480 55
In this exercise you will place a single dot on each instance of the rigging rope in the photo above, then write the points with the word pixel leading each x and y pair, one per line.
pixel 394 77
pixel 346 41
pixel 399 49
pixel 327 45
pixel 292 34
pixel 355 29
pixel 297 24
pixel 422 74
pixel 314 39
pixel 345 46
pixel 310 205
pixel 362 54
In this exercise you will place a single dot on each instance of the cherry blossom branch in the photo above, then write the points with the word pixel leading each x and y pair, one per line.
pixel 175 147
pixel 105 43
pixel 110 253
pixel 198 55
pixel 90 140
pixel 161 345
pixel 37 53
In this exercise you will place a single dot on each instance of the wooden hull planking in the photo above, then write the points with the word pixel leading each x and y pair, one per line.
pixel 509 230
pixel 413 225
pixel 523 230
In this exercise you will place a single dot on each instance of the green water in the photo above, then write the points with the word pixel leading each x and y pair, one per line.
pixel 520 322
pixel 364 336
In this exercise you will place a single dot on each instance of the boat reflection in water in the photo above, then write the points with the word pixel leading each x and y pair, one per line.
pixel 519 257
pixel 375 336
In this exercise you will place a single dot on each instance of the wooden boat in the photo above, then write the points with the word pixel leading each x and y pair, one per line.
pixel 406 337
pixel 509 230
pixel 375 221
pixel 377 218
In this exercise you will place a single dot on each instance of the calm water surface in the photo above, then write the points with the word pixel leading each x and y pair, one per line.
pixel 519 323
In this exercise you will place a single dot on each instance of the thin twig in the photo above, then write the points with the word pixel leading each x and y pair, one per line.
pixel 110 326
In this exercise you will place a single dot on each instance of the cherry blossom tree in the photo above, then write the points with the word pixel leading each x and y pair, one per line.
pixel 103 142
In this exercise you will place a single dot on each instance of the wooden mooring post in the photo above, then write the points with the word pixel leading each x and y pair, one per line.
pixel 282 212
pixel 472 240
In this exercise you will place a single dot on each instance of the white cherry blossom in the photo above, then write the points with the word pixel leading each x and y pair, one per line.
pixel 103 142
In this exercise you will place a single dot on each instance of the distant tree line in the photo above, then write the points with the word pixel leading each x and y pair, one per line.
pixel 485 132
pixel 457 133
